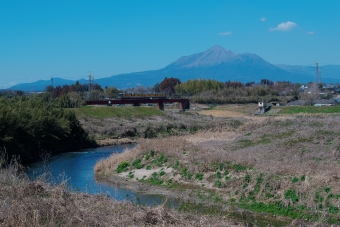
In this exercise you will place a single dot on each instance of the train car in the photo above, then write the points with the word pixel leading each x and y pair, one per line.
pixel 142 96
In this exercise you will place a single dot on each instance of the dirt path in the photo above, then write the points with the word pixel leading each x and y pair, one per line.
pixel 234 114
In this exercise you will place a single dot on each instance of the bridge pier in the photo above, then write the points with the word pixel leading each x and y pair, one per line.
pixel 161 105
pixel 136 104
pixel 185 105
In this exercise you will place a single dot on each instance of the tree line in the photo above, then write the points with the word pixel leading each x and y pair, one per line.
pixel 198 90
pixel 212 91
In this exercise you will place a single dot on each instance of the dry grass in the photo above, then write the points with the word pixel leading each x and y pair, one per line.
pixel 298 154
pixel 172 123
pixel 110 164
pixel 243 108
pixel 35 203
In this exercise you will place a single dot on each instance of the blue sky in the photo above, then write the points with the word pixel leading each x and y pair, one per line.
pixel 67 39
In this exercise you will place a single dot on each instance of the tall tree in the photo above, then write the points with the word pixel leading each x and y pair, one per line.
pixel 167 86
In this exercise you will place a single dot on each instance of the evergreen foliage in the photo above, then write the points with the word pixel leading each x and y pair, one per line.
pixel 29 126
pixel 192 87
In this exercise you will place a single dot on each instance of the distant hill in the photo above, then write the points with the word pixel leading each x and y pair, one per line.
pixel 215 63
pixel 40 85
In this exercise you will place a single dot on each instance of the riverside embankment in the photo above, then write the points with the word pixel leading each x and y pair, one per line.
pixel 285 166
pixel 40 202
pixel 109 125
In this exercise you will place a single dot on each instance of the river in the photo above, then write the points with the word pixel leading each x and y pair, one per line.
pixel 77 168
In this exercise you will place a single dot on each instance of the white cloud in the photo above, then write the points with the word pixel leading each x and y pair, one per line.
pixel 284 26
pixel 12 83
pixel 310 33
pixel 224 33
pixel 263 19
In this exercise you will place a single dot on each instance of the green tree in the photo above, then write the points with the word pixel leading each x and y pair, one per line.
pixel 111 92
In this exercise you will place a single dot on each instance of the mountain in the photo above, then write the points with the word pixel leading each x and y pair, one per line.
pixel 216 63
pixel 40 85
pixel 223 65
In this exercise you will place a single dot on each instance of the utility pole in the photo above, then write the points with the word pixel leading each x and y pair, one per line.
pixel 90 84
pixel 314 95
pixel 52 81
pixel 317 78
pixel 317 73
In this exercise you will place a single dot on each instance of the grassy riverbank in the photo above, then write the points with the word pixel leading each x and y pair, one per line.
pixel 24 202
pixel 308 109
pixel 104 123
pixel 286 166
pixel 120 111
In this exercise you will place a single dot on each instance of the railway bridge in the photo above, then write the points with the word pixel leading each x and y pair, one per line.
pixel 184 104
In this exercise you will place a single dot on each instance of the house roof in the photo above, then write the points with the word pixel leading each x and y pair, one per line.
pixel 296 103
pixel 325 101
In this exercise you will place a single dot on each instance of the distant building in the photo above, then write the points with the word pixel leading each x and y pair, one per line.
pixel 296 103
pixel 321 102
pixel 262 107
pixel 303 88
pixel 325 102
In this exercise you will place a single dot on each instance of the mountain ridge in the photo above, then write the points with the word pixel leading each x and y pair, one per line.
pixel 215 63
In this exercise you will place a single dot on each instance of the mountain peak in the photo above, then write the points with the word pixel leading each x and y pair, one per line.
pixel 213 56
pixel 216 48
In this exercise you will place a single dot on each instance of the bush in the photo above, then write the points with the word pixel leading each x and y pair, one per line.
pixel 295 179
pixel 291 194
pixel 218 184
pixel 137 164
pixel 122 167
pixel 184 172
pixel 239 168
pixel 198 176
pixel 218 175
pixel 247 178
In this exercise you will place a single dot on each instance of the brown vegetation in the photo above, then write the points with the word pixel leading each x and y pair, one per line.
pixel 284 162
pixel 171 124
pixel 35 203
pixel 167 86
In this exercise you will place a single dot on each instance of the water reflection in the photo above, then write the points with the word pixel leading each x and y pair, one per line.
pixel 77 168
